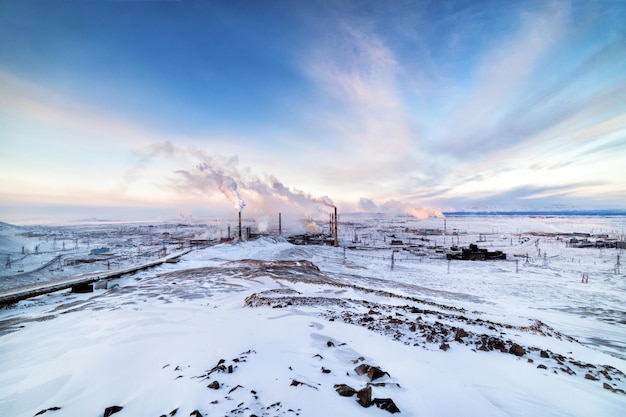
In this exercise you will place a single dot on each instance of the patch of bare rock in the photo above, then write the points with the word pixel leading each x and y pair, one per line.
pixel 364 395
pixel 433 326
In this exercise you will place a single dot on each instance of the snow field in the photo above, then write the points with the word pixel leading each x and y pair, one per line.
pixel 153 342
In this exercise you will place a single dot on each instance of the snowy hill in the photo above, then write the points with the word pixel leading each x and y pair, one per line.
pixel 267 328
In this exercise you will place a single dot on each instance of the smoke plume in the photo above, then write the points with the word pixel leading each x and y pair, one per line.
pixel 395 206
pixel 212 173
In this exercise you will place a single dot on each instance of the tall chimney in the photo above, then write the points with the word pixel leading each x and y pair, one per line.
pixel 229 232
pixel 240 226
pixel 280 225
pixel 336 243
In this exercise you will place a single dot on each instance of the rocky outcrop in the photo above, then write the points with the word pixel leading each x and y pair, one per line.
pixel 364 396
pixel 372 372
pixel 386 404
pixel 517 350
pixel 344 390
pixel 109 411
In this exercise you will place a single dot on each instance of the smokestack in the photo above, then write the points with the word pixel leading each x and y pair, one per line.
pixel 336 243
pixel 240 226
pixel 280 225
pixel 229 232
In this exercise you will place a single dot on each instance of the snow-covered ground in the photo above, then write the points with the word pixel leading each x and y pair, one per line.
pixel 267 328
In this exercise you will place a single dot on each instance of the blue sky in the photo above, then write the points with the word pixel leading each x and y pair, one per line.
pixel 414 106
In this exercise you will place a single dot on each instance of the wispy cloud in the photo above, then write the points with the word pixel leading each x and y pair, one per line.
pixel 360 104
pixel 485 119
pixel 39 104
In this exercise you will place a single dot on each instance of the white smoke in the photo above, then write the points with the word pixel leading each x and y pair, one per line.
pixel 395 206
pixel 229 188
pixel 212 173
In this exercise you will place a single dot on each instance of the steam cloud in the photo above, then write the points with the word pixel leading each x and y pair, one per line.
pixel 227 185
pixel 213 172
pixel 368 205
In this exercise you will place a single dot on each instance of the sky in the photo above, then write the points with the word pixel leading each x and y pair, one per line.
pixel 160 108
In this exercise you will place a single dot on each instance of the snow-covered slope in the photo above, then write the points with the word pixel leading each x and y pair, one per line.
pixel 266 328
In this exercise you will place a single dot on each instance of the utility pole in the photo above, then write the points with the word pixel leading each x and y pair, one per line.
pixel 617 265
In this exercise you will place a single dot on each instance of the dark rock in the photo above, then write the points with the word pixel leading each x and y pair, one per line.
pixel 112 410
pixel 195 413
pixel 517 350
pixel 214 385
pixel 544 354
pixel 48 409
pixel 233 389
pixel 607 386
pixel 499 345
pixel 386 404
pixel 412 328
pixel 530 360
pixel 491 343
pixel 173 412
pixel 444 346
pixel 461 333
pixel 325 371
pixel 296 383
pixel 375 372
pixel 590 377
pixel 542 366
pixel 364 396
pixel 345 390
pixel 362 369
pixel 330 344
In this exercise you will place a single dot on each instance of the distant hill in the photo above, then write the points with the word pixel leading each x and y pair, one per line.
pixel 611 212
pixel 6 226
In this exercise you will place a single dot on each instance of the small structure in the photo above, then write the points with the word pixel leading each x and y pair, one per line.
pixel 474 253
pixel 99 251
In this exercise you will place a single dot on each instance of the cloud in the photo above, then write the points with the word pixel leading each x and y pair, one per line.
pixel 359 105
pixel 38 104
pixel 485 119
pixel 367 205
pixel 203 173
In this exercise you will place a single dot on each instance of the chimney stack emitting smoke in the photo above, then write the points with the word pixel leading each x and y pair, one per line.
pixel 336 242
pixel 240 226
